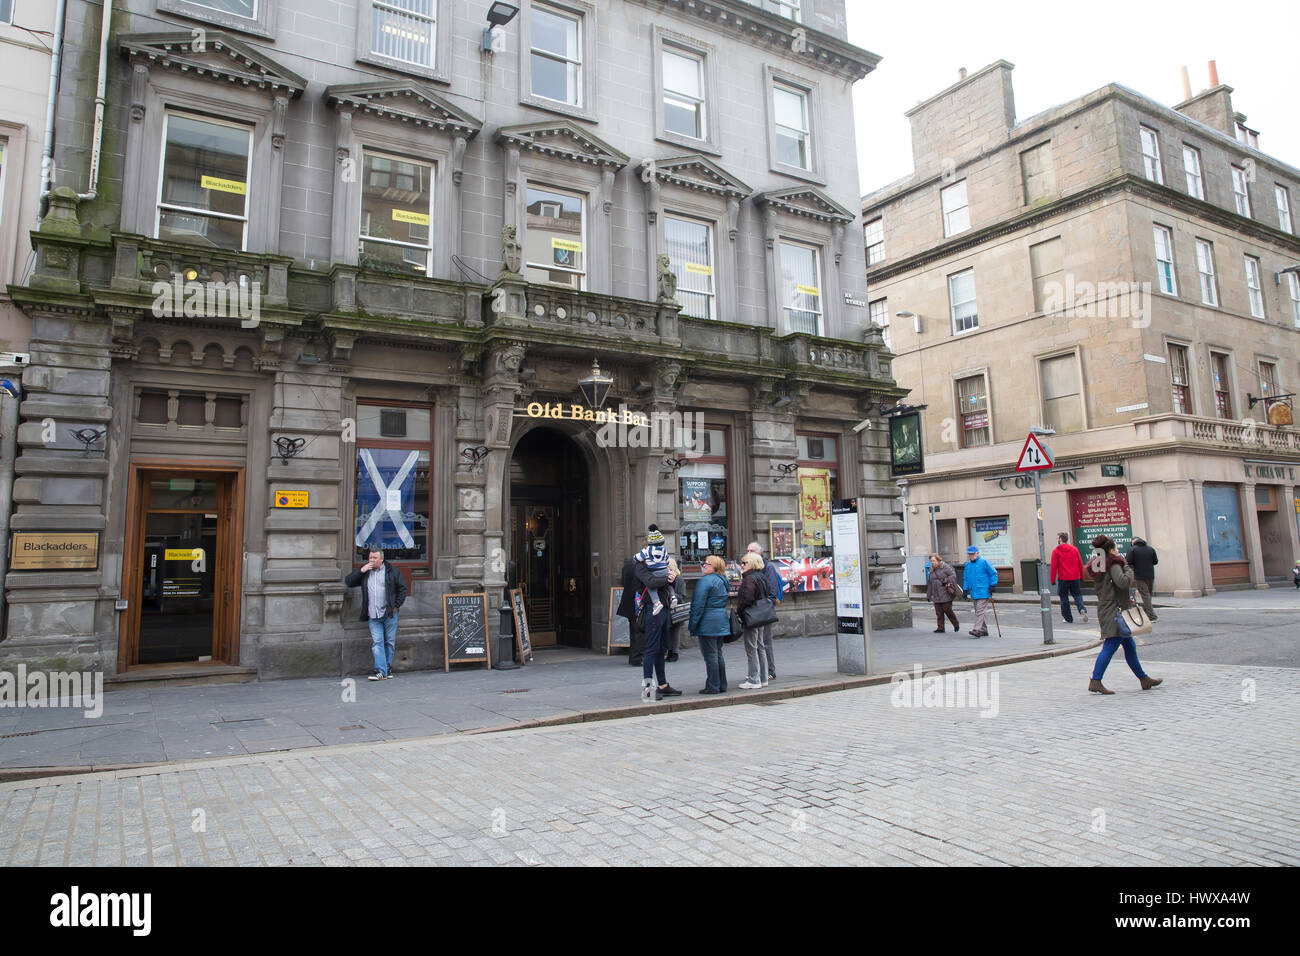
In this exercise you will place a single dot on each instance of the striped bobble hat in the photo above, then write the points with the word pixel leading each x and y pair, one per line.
pixel 654 535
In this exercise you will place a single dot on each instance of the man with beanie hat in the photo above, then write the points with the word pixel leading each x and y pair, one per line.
pixel 650 566
pixel 655 558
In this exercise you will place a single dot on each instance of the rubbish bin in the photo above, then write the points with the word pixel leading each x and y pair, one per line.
pixel 1029 575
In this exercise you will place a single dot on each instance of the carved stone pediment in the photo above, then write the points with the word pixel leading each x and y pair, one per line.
pixel 403 102
pixel 564 140
pixel 214 55
pixel 806 201
pixel 698 172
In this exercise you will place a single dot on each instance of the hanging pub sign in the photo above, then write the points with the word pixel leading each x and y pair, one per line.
pixel 905 457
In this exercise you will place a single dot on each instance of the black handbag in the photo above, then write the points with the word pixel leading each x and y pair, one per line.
pixel 762 611
pixel 681 613
pixel 737 628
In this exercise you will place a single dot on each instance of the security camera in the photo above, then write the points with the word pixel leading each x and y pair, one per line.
pixel 15 358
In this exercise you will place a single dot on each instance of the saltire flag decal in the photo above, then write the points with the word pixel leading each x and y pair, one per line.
pixel 387 488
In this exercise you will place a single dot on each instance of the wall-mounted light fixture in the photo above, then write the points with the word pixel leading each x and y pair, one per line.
pixel 786 469
pixel 595 387
pixel 88 437
pixel 475 454
pixel 287 447
pixel 672 464
pixel 916 319
pixel 498 15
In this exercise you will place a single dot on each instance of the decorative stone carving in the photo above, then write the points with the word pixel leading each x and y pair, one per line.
pixel 733 219
pixel 510 358
pixel 139 81
pixel 668 373
pixel 278 115
pixel 667 281
pixel 512 254
pixel 458 159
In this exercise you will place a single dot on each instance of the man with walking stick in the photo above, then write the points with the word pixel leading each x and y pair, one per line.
pixel 978 580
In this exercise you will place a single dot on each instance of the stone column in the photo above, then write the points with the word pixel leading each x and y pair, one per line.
pixel 1203 543
pixel 1250 526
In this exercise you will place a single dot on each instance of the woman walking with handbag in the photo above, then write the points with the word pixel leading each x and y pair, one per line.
pixel 940 590
pixel 709 623
pixel 754 604
pixel 1114 579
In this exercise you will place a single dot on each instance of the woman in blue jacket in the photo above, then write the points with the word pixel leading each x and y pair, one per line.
pixel 710 623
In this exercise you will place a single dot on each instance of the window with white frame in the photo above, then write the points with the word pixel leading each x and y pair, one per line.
pixel 1205 267
pixel 793 136
pixel 1293 287
pixel 878 313
pixel 1247 136
pixel 1164 240
pixel 1219 374
pixel 1283 199
pixel 1180 379
pixel 689 244
pixel 786 8
pixel 203 185
pixel 961 301
pixel 1151 154
pixel 396 229
pixel 1241 190
pixel 1254 287
pixel 6 11
pixel 1268 380
pixel 973 410
pixel 555 237
pixel 801 294
pixel 1192 170
pixel 1062 393
pixel 555 54
pixel 1046 270
pixel 683 76
pixel 240 8
pixel 956 213
pixel 873 234
pixel 404 30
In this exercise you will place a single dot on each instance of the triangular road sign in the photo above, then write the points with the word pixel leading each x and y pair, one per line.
pixel 1035 456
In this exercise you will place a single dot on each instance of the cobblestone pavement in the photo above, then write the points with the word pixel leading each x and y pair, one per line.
pixel 1200 771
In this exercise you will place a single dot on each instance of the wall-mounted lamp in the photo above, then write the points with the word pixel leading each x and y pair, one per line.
pixel 786 470
pixel 498 15
pixel 595 386
pixel 286 447
pixel 916 319
pixel 88 437
pixel 781 401
pixel 475 454
pixel 672 464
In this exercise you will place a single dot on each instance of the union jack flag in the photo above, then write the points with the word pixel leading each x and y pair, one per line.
pixel 807 574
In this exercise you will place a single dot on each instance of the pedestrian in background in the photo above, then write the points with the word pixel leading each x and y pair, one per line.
pixel 775 590
pixel 627 608
pixel 753 587
pixel 656 626
pixel 1114 578
pixel 1143 559
pixel 940 591
pixel 978 579
pixel 710 623
pixel 383 592
pixel 1067 575
pixel 677 623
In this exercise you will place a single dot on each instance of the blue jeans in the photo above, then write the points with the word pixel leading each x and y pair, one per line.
pixel 1064 590
pixel 715 667
pixel 383 641
pixel 656 646
pixel 1111 645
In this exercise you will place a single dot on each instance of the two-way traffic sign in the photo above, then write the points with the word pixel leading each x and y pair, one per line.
pixel 1035 456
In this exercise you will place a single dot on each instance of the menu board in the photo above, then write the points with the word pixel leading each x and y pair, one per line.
pixel 464 630
pixel 522 644
pixel 620 631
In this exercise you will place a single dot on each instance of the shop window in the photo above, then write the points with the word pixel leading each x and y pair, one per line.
pixel 394 484
pixel 203 189
pixel 703 495
pixel 801 287
pixel 973 410
pixel 819 485
pixel 555 238
pixel 396 214
pixel 689 245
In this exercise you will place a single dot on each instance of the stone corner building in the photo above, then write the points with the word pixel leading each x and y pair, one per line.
pixel 336 261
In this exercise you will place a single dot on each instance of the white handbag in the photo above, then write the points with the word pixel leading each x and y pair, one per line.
pixel 1137 621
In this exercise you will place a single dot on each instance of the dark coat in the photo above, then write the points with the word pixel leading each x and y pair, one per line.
pixel 709 606
pixel 941 579
pixel 753 585
pixel 394 588
pixel 772 576
pixel 1143 559
pixel 1113 594
pixel 627 603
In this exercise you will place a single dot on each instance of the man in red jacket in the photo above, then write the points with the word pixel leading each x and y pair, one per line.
pixel 1067 575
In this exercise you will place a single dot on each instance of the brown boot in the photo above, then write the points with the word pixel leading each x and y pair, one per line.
pixel 1149 682
pixel 1097 688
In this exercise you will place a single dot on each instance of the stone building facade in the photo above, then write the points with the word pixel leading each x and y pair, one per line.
pixel 345 274
pixel 1115 269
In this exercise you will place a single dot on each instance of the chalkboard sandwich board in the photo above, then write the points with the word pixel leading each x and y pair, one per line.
pixel 522 644
pixel 465 630
pixel 619 634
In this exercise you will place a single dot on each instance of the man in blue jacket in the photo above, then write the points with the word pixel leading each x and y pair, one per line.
pixel 978 580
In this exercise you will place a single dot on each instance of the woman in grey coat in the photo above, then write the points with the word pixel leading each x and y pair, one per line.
pixel 940 590
pixel 1114 579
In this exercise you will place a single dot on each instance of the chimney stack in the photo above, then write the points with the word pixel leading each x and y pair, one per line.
pixel 1214 75
pixel 1187 85
pixel 961 73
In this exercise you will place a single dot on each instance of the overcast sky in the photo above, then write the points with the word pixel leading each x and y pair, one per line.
pixel 1064 50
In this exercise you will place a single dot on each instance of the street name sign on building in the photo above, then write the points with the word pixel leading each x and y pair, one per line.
pixel 1035 456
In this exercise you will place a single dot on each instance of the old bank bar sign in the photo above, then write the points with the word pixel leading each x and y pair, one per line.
pixel 577 413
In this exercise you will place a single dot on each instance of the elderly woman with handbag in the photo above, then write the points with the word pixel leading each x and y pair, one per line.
pixel 940 590
pixel 755 606
pixel 710 623
pixel 1114 579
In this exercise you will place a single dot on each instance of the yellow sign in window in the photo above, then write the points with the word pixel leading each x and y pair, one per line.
pixel 182 554
pixel 572 245
pixel 415 218
pixel 698 269
pixel 808 289
pixel 291 499
pixel 223 185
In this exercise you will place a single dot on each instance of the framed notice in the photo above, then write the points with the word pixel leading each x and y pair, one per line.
pixel 54 551
pixel 620 629
pixel 522 643
pixel 464 630
pixel 782 535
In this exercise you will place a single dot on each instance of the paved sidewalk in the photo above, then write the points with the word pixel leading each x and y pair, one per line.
pixel 154 725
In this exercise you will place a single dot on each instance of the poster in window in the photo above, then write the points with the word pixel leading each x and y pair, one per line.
pixel 697 499
pixel 386 497
pixel 1099 511
pixel 905 456
pixel 993 537
pixel 814 505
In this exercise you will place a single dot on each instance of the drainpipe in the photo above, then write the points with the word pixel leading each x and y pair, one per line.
pixel 93 188
pixel 47 154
